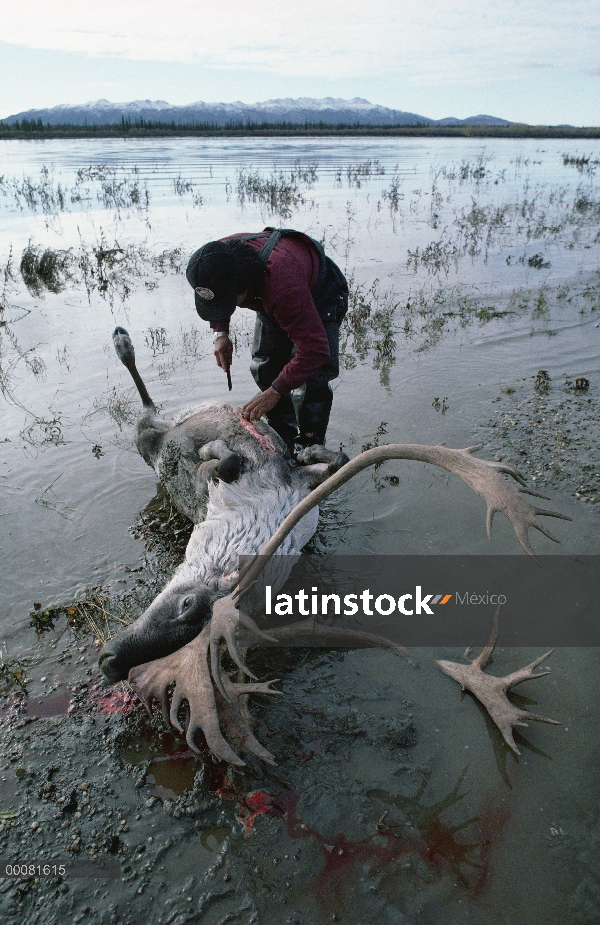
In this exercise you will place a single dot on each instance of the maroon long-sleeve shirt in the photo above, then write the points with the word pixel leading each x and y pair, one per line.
pixel 290 274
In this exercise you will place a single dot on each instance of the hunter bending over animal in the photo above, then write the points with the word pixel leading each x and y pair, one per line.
pixel 245 494
pixel 300 298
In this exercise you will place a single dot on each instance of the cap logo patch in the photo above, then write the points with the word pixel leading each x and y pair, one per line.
pixel 206 294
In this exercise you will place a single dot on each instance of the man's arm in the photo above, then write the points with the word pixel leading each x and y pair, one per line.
pixel 223 345
pixel 295 312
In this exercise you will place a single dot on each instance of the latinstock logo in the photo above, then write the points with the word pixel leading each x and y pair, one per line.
pixel 314 604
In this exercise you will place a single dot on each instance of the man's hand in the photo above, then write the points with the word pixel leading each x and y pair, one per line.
pixel 224 352
pixel 260 404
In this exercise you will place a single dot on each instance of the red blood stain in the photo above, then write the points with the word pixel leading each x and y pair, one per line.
pixel 112 701
pixel 257 803
pixel 49 706
pixel 264 441
pixel 441 845
pixel 436 842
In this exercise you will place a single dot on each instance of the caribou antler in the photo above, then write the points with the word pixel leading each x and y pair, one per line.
pixel 226 708
pixel 482 475
pixel 211 710
pixel 492 691
pixel 188 667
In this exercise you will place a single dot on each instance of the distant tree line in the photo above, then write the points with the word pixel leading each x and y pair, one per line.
pixel 143 128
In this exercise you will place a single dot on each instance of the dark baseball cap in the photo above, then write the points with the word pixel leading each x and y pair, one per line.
pixel 212 272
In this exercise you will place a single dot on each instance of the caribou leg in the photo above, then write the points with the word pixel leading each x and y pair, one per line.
pixel 126 354
pixel 229 464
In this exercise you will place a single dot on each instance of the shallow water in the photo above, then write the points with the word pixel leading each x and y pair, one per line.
pixel 72 483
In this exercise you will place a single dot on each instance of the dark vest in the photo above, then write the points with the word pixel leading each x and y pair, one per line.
pixel 330 292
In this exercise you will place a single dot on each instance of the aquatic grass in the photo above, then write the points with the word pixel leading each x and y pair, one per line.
pixel 156 339
pixel 125 193
pixel 12 675
pixel 582 163
pixel 191 343
pixel 369 329
pixel 43 431
pixel 182 187
pixel 95 611
pixel 114 270
pixel 40 194
pixel 434 257
pixel 121 406
pixel 48 270
pixel 279 192
pixel 356 174
pixel 393 196
pixel 467 170
pixel 11 352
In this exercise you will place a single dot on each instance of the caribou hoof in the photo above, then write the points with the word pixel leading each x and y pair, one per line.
pixel 229 467
pixel 123 345
pixel 340 460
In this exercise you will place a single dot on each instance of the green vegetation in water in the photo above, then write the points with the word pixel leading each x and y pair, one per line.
pixel 582 163
pixel 356 174
pixel 12 675
pixel 163 529
pixel 182 187
pixel 392 195
pixel 280 191
pixel 45 270
pixel 369 329
pixel 40 194
pixel 124 193
pixel 121 405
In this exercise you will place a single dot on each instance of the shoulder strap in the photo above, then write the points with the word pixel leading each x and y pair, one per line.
pixel 274 236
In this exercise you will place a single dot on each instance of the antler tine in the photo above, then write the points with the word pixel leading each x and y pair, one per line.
pixel 238 690
pixel 528 672
pixel 556 514
pixel 237 718
pixel 189 668
pixel 483 476
pixel 537 717
pixel 522 535
pixel 536 494
pixel 486 653
pixel 490 519
pixel 509 470
pixel 541 529
pixel 225 619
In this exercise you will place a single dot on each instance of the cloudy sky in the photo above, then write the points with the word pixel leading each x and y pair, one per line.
pixel 526 60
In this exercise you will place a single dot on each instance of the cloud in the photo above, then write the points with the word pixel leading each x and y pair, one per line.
pixel 427 42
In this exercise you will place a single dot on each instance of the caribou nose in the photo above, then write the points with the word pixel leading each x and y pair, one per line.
pixel 110 666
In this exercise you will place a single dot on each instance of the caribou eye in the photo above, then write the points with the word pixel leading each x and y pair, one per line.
pixel 187 603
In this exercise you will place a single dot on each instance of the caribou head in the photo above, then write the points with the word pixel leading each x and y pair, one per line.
pixel 173 619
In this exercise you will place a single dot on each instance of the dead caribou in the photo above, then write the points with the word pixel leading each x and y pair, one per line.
pixel 246 497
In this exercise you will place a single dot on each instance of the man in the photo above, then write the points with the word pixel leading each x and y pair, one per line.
pixel 300 298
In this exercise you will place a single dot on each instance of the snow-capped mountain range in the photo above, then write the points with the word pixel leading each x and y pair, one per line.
pixel 328 110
